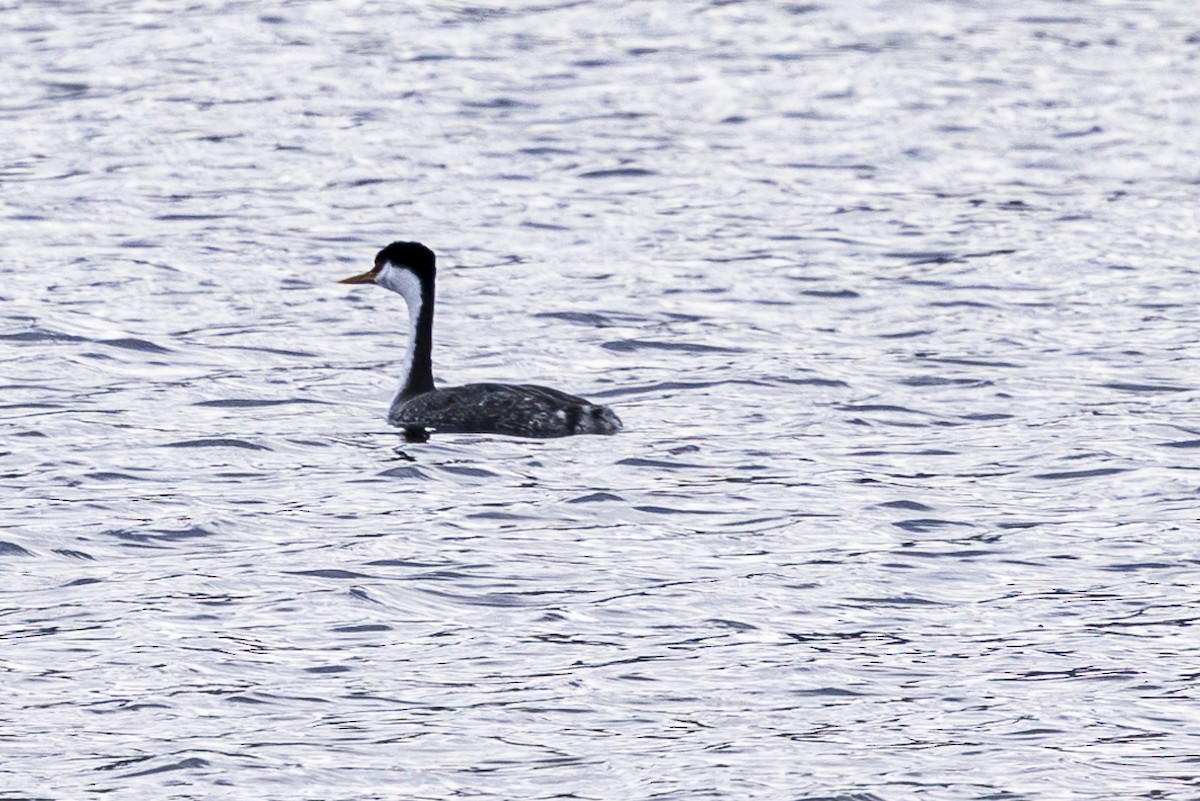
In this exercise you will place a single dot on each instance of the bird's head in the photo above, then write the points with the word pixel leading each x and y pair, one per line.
pixel 404 267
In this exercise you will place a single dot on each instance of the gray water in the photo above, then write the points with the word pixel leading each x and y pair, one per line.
pixel 898 302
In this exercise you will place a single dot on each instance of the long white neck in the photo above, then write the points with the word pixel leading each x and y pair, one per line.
pixel 416 374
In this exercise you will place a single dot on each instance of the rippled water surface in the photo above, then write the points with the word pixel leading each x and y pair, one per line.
pixel 898 302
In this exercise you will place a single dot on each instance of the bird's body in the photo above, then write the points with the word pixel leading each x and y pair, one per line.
pixel 519 410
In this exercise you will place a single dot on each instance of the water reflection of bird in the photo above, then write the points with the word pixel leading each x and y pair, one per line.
pixel 519 410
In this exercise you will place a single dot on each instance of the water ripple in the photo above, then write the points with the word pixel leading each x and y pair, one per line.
pixel 897 302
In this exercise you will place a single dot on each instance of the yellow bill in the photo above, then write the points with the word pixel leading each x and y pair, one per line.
pixel 366 278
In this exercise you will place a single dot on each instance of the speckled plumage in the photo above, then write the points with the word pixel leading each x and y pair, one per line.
pixel 519 410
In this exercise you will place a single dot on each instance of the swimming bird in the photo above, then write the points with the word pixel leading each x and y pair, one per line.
pixel 518 410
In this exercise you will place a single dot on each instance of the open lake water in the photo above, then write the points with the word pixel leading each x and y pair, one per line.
pixel 899 302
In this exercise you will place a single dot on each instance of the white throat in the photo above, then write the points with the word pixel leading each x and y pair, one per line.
pixel 406 285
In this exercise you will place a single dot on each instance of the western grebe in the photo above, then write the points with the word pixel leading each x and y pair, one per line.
pixel 519 410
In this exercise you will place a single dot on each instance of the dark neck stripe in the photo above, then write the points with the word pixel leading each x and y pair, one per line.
pixel 420 372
